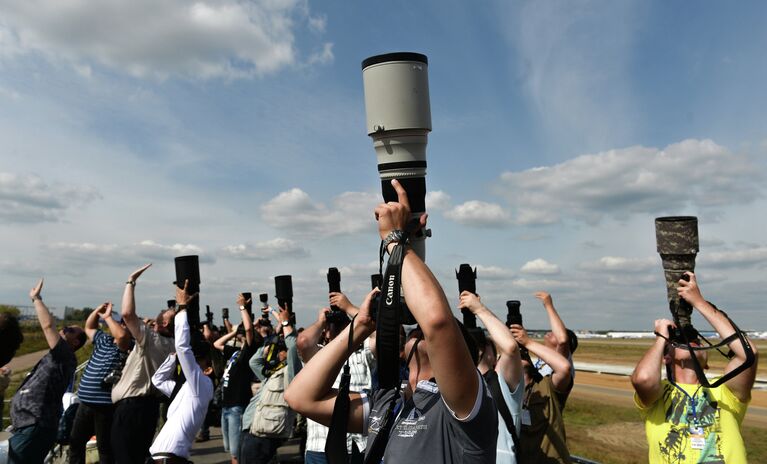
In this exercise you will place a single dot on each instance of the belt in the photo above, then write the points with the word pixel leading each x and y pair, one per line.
pixel 169 458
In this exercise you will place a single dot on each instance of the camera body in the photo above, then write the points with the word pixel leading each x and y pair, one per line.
pixel 336 315
pixel 224 313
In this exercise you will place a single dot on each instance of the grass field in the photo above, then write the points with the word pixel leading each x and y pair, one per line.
pixel 629 352
pixel 615 434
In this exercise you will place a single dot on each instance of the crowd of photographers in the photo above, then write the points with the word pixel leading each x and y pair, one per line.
pixel 153 387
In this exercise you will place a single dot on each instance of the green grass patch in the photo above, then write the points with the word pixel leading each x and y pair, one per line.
pixel 615 434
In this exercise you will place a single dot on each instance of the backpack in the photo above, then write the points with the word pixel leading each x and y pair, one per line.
pixel 273 417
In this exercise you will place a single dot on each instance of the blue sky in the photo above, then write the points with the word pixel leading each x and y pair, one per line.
pixel 137 131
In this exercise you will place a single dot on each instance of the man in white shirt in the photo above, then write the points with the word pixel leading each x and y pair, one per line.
pixel 187 411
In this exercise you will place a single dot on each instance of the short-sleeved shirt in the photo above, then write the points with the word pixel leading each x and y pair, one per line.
pixel 426 430
pixel 105 357
pixel 543 437
pixel 711 420
pixel 38 399
pixel 141 365
pixel 361 363
pixel 237 378
pixel 513 399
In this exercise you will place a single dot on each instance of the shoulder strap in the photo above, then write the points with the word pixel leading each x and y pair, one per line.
pixel 491 377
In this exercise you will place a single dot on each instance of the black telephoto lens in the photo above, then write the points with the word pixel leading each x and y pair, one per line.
pixel 188 268
pixel 513 315
pixel 467 282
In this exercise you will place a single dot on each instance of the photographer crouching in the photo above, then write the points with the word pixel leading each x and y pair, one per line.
pixel 445 413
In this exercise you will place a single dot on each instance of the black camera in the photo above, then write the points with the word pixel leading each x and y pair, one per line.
pixel 467 282
pixel 513 315
pixel 111 379
pixel 336 314
pixel 225 313
pixel 283 289
pixel 188 268
pixel 208 316
pixel 264 298
pixel 171 304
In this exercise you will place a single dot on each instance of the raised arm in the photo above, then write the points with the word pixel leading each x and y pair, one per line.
pixel 128 310
pixel 163 376
pixel 647 375
pixel 119 333
pixel 560 365
pixel 221 342
pixel 92 322
pixel 247 321
pixel 44 316
pixel 555 322
pixel 741 384
pixel 449 356
pixel 309 340
pixel 182 340
pixel 510 364
pixel 311 393
pixel 342 302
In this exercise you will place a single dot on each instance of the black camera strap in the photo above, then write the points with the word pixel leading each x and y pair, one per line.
pixel 377 448
pixel 389 318
pixel 335 443
pixel 491 377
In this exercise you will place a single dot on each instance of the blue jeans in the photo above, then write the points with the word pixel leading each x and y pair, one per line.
pixel 30 444
pixel 315 457
pixel 231 426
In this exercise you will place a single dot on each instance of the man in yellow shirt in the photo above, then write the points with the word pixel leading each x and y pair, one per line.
pixel 684 421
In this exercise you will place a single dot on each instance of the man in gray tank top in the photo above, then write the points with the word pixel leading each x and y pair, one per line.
pixel 445 413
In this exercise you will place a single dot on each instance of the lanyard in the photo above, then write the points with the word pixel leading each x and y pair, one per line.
pixel 691 400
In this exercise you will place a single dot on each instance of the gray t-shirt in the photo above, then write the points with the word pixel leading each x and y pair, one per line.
pixel 426 430
pixel 148 354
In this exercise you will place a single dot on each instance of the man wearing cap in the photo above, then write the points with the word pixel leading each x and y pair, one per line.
pixel 36 406
pixel 684 421
pixel 543 436
pixel 445 413
pixel 137 401
pixel 95 410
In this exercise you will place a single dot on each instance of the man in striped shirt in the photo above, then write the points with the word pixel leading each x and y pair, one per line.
pixel 94 414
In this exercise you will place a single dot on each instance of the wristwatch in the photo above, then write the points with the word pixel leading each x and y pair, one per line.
pixel 242 307
pixel 285 323
pixel 396 235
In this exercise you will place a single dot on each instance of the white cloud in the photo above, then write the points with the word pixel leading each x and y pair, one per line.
pixel 119 255
pixel 493 273
pixel 263 251
pixel 478 214
pixel 735 258
pixel 323 56
pixel 621 264
pixel 296 213
pixel 29 199
pixel 437 200
pixel 540 267
pixel 692 173
pixel 206 38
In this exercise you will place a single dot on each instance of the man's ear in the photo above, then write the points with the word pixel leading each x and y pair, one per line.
pixel 208 371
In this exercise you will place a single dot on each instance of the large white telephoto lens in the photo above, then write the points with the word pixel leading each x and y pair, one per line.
pixel 399 121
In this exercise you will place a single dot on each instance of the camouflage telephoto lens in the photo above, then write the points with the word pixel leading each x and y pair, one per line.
pixel 677 244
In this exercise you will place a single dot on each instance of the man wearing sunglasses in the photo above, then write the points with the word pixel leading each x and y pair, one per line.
pixel 37 406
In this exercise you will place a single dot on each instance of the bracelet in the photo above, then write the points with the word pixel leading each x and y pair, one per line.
pixel 35 298
pixel 131 282
pixel 395 236
pixel 180 307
